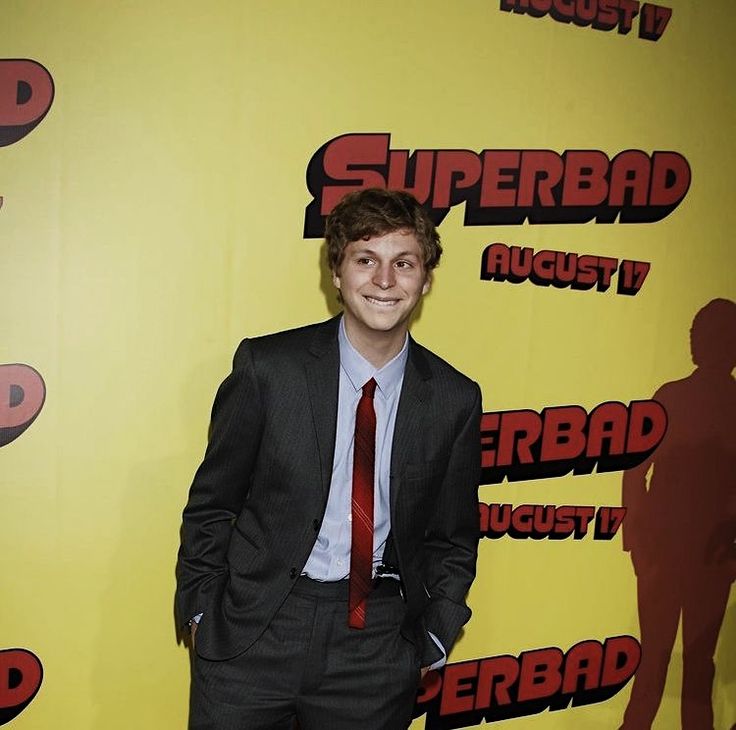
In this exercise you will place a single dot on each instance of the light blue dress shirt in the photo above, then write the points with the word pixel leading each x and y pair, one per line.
pixel 330 557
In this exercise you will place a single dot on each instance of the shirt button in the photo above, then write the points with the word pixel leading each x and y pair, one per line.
pixel 292 573
pixel 339 562
pixel 350 517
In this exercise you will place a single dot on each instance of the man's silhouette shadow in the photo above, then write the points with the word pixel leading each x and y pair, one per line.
pixel 680 528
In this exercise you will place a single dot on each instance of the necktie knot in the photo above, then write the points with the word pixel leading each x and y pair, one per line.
pixel 369 388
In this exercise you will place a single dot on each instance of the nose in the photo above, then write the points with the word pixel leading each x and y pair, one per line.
pixel 384 276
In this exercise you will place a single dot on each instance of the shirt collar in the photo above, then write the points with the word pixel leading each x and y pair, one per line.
pixel 359 371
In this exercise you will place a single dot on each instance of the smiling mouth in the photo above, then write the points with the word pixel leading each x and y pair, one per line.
pixel 381 302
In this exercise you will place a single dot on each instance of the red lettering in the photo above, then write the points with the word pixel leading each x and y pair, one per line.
pixel 563 10
pixel 585 178
pixel 607 270
pixel 607 430
pixel 500 172
pixel 455 169
pixel 654 20
pixel 539 7
pixel 522 518
pixel 483 513
pixel 585 12
pixel 587 275
pixel 495 678
pixel 670 179
pixel 584 662
pixel 499 518
pixel 565 520
pixel 423 164
pixel 631 276
pixel 20 677
pixel 621 657
pixel 346 158
pixel 457 692
pixel 607 522
pixel 629 178
pixel 519 430
pixel 504 687
pixel 430 687
pixel 26 94
pixel 563 436
pixel 541 171
pixel 22 393
pixel 496 262
pixel 526 445
pixel 522 260
pixel 647 426
pixel 544 266
pixel 501 186
pixel 628 10
pixel 540 674
pixel 608 15
pixel 569 519
pixel 535 520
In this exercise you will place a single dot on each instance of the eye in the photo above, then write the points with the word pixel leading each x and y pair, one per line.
pixel 364 261
pixel 404 265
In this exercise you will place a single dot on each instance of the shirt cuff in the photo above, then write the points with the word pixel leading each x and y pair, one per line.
pixel 196 619
pixel 440 662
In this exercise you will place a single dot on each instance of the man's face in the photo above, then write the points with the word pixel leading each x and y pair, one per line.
pixel 381 281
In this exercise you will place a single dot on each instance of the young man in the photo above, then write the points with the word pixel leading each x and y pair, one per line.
pixel 331 531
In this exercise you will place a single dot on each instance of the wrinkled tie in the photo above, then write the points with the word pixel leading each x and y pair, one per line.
pixel 364 464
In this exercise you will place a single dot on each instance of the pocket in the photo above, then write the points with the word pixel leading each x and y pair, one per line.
pixel 241 552
pixel 414 660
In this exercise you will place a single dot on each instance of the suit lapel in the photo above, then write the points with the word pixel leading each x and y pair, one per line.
pixel 323 372
pixel 415 394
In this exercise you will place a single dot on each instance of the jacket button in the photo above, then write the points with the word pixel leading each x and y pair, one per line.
pixel 292 573
pixel 315 524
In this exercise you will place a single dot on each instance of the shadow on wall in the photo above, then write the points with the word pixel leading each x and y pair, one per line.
pixel 680 527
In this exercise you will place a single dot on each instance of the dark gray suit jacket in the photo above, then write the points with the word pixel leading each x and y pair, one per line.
pixel 257 500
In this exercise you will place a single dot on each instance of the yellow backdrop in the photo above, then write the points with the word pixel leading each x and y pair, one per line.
pixel 155 217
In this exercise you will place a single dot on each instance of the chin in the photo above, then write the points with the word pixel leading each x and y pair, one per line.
pixel 380 325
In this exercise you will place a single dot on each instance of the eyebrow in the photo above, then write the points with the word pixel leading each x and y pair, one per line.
pixel 400 255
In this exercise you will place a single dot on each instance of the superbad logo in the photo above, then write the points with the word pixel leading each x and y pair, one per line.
pixel 501 186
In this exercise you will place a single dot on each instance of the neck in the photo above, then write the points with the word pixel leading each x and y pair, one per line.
pixel 376 347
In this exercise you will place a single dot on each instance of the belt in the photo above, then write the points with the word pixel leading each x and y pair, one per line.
pixel 338 590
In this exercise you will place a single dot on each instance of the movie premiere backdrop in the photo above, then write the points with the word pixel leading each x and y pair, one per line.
pixel 165 170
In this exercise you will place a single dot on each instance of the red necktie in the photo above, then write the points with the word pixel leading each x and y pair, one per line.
pixel 364 464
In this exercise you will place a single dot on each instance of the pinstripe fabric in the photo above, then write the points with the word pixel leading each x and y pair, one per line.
pixel 309 666
pixel 364 463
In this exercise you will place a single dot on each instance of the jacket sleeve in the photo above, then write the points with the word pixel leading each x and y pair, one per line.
pixel 451 540
pixel 220 486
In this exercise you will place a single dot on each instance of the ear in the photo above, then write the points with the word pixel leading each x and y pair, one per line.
pixel 427 283
pixel 335 279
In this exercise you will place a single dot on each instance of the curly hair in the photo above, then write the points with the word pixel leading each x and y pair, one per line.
pixel 363 214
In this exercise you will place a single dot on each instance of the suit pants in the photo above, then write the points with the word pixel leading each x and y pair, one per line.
pixel 310 668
